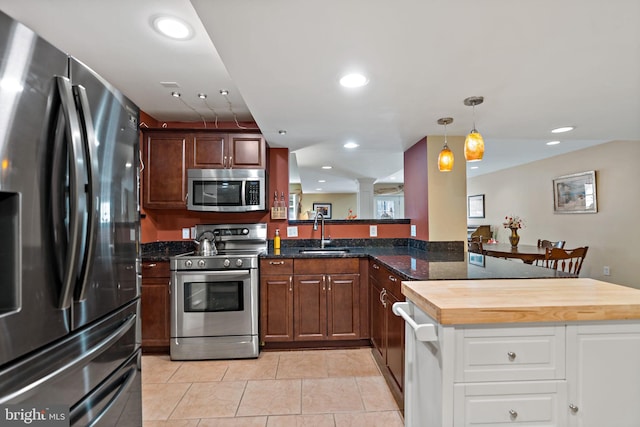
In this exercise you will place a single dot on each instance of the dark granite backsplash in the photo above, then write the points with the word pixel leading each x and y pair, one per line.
pixel 453 246
pixel 161 251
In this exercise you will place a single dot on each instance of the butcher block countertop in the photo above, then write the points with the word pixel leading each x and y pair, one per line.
pixel 457 302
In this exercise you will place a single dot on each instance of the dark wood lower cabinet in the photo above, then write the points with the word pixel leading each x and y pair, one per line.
pixel 155 305
pixel 387 329
pixel 319 301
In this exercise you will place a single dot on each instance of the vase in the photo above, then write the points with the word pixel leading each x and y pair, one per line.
pixel 514 238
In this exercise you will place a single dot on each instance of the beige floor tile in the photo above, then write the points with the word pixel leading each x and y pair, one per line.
pixel 357 363
pixel 318 420
pixel 271 397
pixel 303 364
pixel 209 400
pixel 159 400
pixel 200 371
pixel 234 422
pixel 171 423
pixel 262 368
pixel 158 369
pixel 375 394
pixel 326 395
pixel 369 419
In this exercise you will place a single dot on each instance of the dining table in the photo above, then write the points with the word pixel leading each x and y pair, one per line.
pixel 527 253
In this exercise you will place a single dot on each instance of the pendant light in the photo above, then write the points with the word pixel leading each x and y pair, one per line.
pixel 445 159
pixel 473 143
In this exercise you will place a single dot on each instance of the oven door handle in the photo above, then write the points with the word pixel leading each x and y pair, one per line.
pixel 232 273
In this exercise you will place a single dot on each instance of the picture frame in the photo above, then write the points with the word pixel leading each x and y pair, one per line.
pixel 575 193
pixel 476 259
pixel 475 206
pixel 323 208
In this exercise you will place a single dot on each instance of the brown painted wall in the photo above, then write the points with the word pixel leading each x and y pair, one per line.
pixel 416 205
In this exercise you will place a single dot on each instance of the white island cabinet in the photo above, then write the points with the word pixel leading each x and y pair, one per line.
pixel 529 352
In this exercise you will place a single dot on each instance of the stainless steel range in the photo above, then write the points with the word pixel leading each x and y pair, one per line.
pixel 214 298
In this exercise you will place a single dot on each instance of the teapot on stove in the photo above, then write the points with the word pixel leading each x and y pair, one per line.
pixel 206 245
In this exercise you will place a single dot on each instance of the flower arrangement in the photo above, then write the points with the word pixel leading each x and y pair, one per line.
pixel 513 222
pixel 350 215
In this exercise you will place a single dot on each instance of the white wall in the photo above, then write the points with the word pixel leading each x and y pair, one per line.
pixel 612 234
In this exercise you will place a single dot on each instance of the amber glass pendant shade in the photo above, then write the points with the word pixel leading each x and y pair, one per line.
pixel 445 160
pixel 473 147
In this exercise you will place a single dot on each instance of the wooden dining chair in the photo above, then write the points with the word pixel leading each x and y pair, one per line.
pixel 567 260
pixel 475 246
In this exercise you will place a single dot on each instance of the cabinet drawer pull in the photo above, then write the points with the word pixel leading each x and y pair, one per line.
pixel 276 262
pixel 573 408
pixel 376 267
pixel 511 355
pixel 153 264
pixel 393 279
pixel 513 414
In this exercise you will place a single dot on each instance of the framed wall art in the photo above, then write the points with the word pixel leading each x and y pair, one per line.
pixel 323 208
pixel 575 193
pixel 475 206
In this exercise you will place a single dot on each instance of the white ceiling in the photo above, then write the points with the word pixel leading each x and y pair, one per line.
pixel 539 64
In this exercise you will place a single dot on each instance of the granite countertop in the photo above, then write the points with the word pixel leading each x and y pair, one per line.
pixel 452 302
pixel 433 261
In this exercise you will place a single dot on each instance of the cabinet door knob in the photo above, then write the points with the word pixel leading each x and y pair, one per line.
pixel 573 408
pixel 511 355
pixel 513 414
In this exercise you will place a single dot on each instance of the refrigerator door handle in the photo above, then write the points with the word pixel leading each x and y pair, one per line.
pixel 73 133
pixel 93 202
pixel 79 361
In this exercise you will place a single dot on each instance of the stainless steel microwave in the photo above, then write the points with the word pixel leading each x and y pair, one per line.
pixel 226 190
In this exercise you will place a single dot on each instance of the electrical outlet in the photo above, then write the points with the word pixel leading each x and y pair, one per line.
pixel 413 231
pixel 186 233
pixel 292 231
pixel 606 271
pixel 373 231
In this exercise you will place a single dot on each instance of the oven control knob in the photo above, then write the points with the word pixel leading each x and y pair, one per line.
pixel 238 262
pixel 188 263
pixel 226 263
pixel 202 263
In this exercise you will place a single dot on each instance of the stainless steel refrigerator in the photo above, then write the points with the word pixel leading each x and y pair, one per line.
pixel 69 237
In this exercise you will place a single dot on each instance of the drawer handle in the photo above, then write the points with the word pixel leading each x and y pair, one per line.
pixel 393 279
pixel 376 267
pixel 153 264
pixel 425 332
pixel 276 262
pixel 511 355
pixel 513 414
pixel 573 408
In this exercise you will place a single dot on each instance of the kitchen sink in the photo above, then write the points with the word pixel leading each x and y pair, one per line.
pixel 324 251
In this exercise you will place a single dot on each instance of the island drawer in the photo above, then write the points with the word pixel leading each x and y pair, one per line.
pixel 539 403
pixel 510 353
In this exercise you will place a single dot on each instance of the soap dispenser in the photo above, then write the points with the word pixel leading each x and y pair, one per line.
pixel 276 240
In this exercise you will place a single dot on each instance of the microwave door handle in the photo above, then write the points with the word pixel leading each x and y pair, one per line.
pixel 75 184
pixel 243 192
pixel 93 202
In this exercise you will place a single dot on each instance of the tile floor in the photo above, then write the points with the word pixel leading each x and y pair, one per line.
pixel 314 388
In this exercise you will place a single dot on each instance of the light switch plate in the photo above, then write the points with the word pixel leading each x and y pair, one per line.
pixel 373 231
pixel 186 233
pixel 292 231
pixel 413 231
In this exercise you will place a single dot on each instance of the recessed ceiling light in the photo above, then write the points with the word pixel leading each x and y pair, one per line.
pixel 318 189
pixel 350 145
pixel 474 167
pixel 282 132
pixel 354 80
pixel 327 167
pixel 202 95
pixel 563 129
pixel 322 180
pixel 553 142
pixel 176 94
pixel 173 27
pixel 224 92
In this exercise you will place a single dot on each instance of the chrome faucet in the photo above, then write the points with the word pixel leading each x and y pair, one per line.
pixel 315 227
